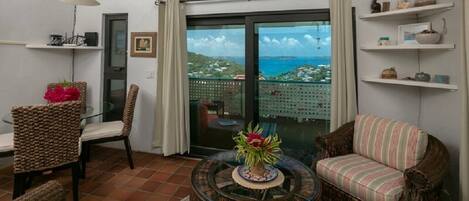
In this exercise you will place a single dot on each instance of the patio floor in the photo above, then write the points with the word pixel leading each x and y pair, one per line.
pixel 109 177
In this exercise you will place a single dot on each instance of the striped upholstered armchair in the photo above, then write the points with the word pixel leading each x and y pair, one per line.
pixel 378 159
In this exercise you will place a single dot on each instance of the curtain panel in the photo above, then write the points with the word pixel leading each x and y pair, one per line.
pixel 172 84
pixel 343 89
pixel 464 150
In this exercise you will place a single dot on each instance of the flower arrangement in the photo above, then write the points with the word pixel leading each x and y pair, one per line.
pixel 257 150
pixel 61 93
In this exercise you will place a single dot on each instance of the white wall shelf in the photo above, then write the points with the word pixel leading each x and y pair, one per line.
pixel 411 83
pixel 33 46
pixel 408 47
pixel 405 13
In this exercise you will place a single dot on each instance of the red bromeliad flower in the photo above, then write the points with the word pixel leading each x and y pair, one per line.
pixel 61 94
pixel 255 139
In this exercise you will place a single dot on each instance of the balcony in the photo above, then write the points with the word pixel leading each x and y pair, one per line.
pixel 302 101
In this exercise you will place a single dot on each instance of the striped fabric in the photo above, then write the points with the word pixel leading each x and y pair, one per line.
pixel 396 144
pixel 361 177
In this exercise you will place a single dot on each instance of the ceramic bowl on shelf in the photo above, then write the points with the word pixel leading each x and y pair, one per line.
pixel 428 38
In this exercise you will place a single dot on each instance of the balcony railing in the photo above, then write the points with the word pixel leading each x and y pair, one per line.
pixel 290 99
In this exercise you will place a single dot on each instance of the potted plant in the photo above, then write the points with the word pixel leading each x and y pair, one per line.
pixel 256 150
pixel 61 93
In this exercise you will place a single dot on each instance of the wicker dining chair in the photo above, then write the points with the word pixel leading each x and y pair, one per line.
pixel 46 137
pixel 50 191
pixel 81 87
pixel 96 133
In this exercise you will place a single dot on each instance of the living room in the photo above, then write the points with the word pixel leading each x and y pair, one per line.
pixel 185 100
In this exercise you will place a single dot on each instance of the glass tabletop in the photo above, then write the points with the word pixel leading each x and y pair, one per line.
pixel 89 113
pixel 212 180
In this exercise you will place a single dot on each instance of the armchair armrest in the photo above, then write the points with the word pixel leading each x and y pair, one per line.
pixel 50 191
pixel 337 143
pixel 427 175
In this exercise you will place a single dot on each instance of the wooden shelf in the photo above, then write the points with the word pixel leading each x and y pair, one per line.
pixel 408 47
pixel 33 46
pixel 411 83
pixel 405 13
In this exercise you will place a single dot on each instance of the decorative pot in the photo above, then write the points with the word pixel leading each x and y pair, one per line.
pixel 258 169
pixel 389 73
pixel 423 77
pixel 428 38
pixel 375 7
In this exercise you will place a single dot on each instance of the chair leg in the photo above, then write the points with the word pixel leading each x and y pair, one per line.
pixel 19 185
pixel 84 155
pixel 129 152
pixel 88 155
pixel 75 179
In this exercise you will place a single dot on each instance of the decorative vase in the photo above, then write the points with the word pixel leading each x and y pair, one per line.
pixel 375 7
pixel 422 77
pixel 258 169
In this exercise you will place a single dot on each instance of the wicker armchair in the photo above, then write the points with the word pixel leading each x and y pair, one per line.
pixel 422 182
pixel 50 191
pixel 111 131
pixel 82 86
pixel 46 137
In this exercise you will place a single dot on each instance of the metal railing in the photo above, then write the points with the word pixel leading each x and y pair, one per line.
pixel 290 99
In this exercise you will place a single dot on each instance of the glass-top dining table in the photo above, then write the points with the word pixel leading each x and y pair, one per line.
pixel 89 113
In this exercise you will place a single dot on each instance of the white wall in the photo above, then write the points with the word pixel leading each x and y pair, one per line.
pixel 24 73
pixel 142 16
pixel 436 111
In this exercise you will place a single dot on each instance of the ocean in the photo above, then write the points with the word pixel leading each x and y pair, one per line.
pixel 274 66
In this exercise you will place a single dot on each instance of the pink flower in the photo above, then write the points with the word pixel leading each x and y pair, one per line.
pixel 255 139
pixel 61 94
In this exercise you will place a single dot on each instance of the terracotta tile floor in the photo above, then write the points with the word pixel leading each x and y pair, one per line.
pixel 110 178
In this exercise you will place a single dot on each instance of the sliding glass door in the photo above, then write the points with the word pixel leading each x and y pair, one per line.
pixel 293 85
pixel 216 70
pixel 269 69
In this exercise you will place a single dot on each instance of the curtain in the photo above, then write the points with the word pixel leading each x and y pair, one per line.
pixel 172 84
pixel 464 151
pixel 343 89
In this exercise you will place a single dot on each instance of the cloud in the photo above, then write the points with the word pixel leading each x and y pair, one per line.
pixel 284 42
pixel 215 45
pixel 314 41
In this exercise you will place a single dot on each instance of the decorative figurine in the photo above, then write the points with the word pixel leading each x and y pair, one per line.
pixel 389 73
pixel 375 7
pixel 424 2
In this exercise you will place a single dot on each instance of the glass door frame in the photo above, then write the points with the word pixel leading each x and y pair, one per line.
pixel 252 51
pixel 108 72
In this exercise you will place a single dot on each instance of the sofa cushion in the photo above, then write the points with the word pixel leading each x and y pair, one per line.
pixel 393 143
pixel 361 177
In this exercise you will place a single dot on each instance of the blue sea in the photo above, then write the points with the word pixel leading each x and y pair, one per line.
pixel 274 66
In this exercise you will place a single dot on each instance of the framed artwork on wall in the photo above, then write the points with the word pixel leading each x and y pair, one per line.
pixel 143 44
pixel 407 33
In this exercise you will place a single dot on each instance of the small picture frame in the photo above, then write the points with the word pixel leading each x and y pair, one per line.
pixel 143 44
pixel 408 32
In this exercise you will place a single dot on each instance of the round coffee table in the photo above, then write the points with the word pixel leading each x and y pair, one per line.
pixel 212 181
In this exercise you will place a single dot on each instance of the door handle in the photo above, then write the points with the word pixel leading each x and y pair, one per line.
pixel 117 69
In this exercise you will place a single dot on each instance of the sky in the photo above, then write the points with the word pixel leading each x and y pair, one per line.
pixel 279 40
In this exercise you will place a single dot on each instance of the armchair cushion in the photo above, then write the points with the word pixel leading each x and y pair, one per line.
pixel 396 144
pixel 362 178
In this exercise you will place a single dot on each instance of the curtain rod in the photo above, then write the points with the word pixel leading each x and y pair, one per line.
pixel 157 2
